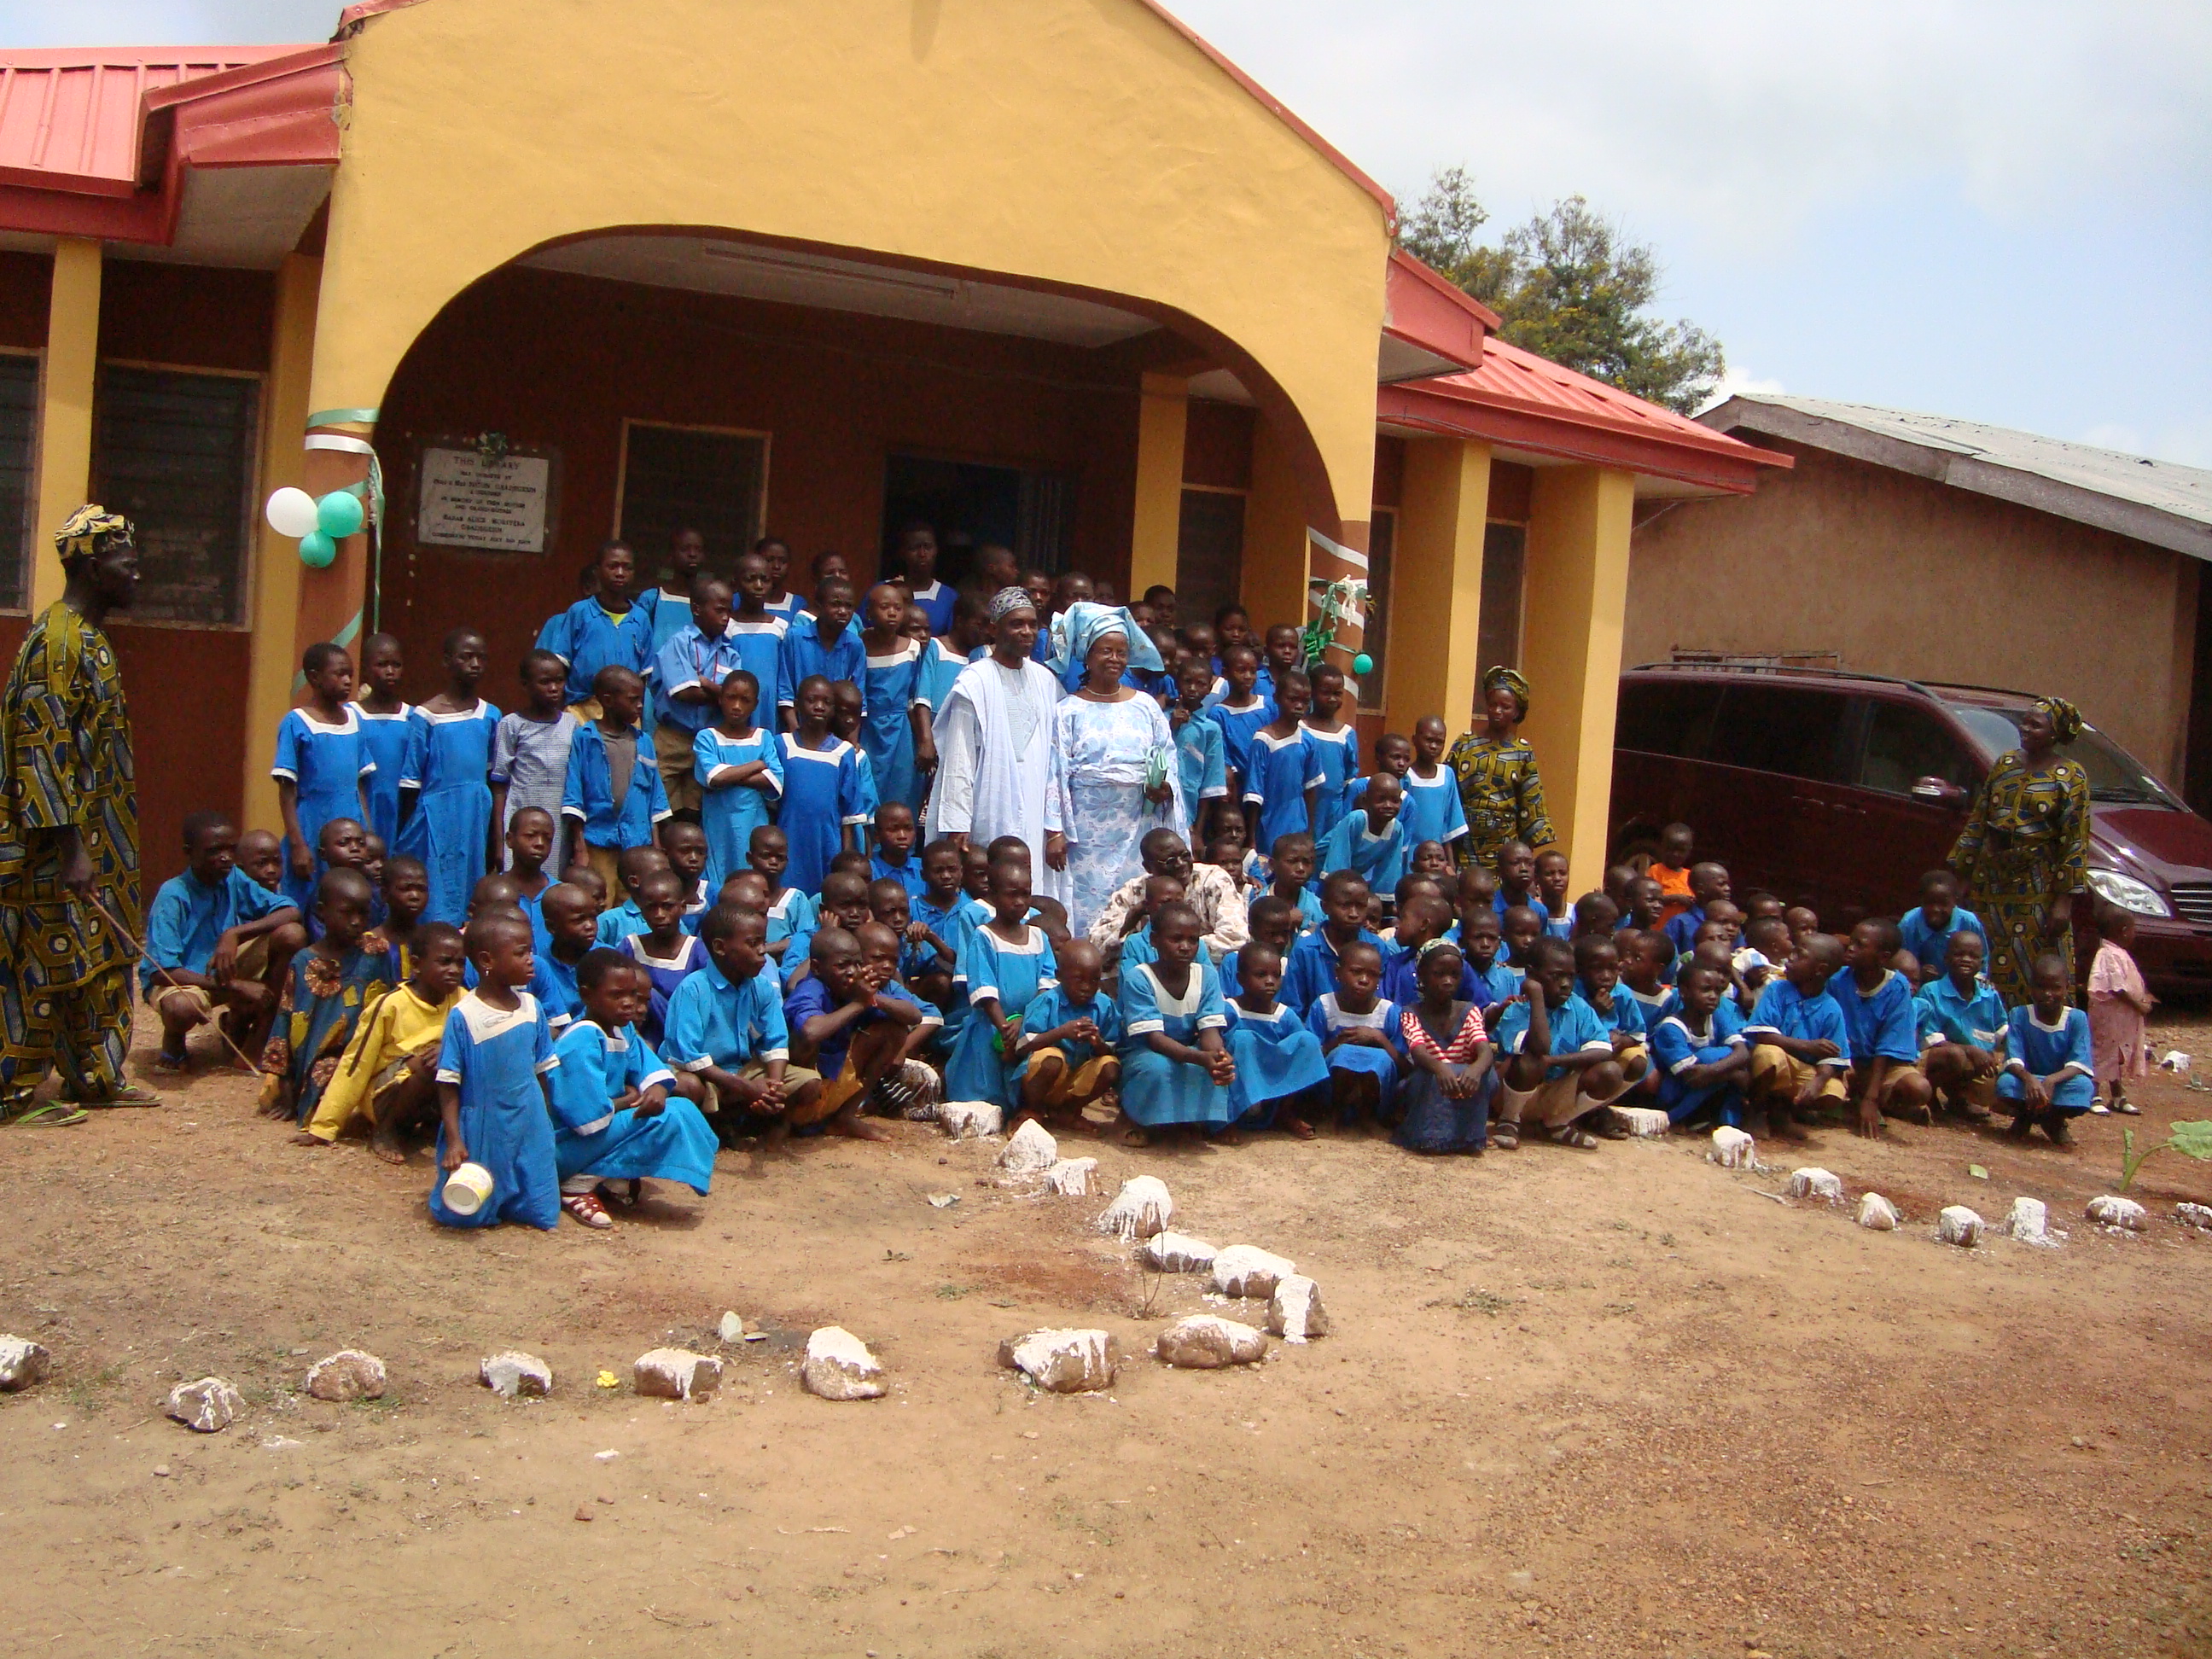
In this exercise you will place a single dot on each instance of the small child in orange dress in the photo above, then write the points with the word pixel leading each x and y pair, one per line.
pixel 2119 1001
pixel 1678 850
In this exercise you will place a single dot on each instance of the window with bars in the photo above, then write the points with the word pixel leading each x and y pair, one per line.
pixel 18 428
pixel 173 451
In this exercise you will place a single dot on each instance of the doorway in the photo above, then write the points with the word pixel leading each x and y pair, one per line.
pixel 972 505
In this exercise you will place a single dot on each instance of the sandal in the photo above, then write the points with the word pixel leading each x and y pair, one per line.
pixel 1606 1126
pixel 127 1094
pixel 1136 1137
pixel 1568 1135
pixel 54 1115
pixel 168 1065
pixel 587 1209
pixel 1506 1137
pixel 2126 1109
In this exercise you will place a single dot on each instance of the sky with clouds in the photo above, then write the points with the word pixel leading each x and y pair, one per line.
pixel 1998 210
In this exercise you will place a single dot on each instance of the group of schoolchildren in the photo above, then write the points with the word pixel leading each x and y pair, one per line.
pixel 590 941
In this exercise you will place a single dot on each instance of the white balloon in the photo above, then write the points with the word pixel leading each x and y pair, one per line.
pixel 291 512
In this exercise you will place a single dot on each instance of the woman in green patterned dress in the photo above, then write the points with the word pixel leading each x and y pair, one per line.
pixel 1499 789
pixel 2025 850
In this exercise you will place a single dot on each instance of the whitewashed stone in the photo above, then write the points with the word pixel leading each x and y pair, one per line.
pixel 732 1328
pixel 675 1374
pixel 1071 1177
pixel 349 1374
pixel 1065 1362
pixel 1032 1152
pixel 514 1374
pixel 970 1120
pixel 2125 1213
pixel 1877 1212
pixel 1646 1120
pixel 1294 1312
pixel 1247 1270
pixel 1732 1148
pixel 1957 1225
pixel 2028 1221
pixel 1812 1181
pixel 1207 1342
pixel 1177 1253
pixel 206 1406
pixel 1140 1209
pixel 840 1367
pixel 23 1363
pixel 2198 1216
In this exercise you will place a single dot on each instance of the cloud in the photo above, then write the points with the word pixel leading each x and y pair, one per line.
pixel 2186 443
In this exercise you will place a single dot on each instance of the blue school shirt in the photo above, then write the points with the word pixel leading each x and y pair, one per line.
pixel 810 999
pixel 1577 1028
pixel 730 815
pixel 906 875
pixel 1402 981
pixel 1884 1024
pixel 758 642
pixel 1309 971
pixel 1675 1047
pixel 586 639
pixel 2035 1049
pixel 588 794
pixel 691 660
pixel 889 691
pixel 945 923
pixel 1682 931
pixel 1381 861
pixel 494 1057
pixel 823 797
pixel 1501 904
pixel 1203 761
pixel 940 665
pixel 791 916
pixel 385 737
pixel 189 917
pixel 1338 755
pixel 1237 726
pixel 1979 1021
pixel 936 600
pixel 1432 810
pixel 668 974
pixel 1785 1010
pixel 671 612
pixel 1278 773
pixel 716 1021
pixel 1052 1008
pixel 1626 1013
pixel 805 656
pixel 1928 943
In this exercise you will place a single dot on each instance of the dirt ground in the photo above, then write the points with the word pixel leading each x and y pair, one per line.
pixel 1610 1404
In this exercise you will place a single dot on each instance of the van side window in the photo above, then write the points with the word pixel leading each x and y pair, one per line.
pixel 1784 729
pixel 1904 744
pixel 1665 717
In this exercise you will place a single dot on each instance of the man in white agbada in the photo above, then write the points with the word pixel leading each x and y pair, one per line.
pixel 994 741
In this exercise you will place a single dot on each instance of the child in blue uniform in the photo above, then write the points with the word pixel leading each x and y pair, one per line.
pixel 2051 1070
pixel 756 632
pixel 1176 1071
pixel 446 792
pixel 1929 928
pixel 1336 746
pixel 1963 1024
pixel 1004 964
pixel 1239 714
pixel 822 642
pixel 1199 754
pixel 1370 840
pixel 1563 1067
pixel 494 1102
pixel 1312 968
pixel 670 601
pixel 890 698
pixel 1705 1063
pixel 1356 1030
pixel 613 796
pixel 689 669
pixel 1065 1052
pixel 1279 1059
pixel 823 803
pixel 603 631
pixel 943 659
pixel 790 912
pixel 892 858
pixel 665 952
pixel 1883 1027
pixel 603 1061
pixel 1799 1046
pixel 223 941
pixel 738 765
pixel 1283 772
pixel 725 1027
pixel 1432 810
pixel 1597 982
pixel 328 986
pixel 384 728
pixel 322 768
pixel 853 1032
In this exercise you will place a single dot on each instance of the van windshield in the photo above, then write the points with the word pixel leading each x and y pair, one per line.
pixel 2115 777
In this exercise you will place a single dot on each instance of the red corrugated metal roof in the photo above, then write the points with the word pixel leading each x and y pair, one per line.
pixel 70 116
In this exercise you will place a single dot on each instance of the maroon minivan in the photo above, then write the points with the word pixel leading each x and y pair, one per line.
pixel 1839 789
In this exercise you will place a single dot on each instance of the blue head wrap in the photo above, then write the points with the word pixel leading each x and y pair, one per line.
pixel 1081 625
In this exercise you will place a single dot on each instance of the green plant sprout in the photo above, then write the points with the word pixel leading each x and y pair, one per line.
pixel 2193 1139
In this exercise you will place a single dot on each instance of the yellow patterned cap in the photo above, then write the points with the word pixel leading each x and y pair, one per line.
pixel 81 532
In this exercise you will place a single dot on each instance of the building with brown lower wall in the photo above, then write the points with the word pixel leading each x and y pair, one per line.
pixel 1945 550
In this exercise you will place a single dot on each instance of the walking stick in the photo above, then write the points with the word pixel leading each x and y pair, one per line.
pixel 108 916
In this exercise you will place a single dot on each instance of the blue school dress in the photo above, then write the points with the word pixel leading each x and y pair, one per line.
pixel 1380 861
pixel 787 609
pixel 1052 1008
pixel 1237 726
pixel 449 765
pixel 1432 810
pixel 1014 975
pixel 1326 1017
pixel 1310 969
pixel 1677 1045
pixel 906 875
pixel 2040 1050
pixel 823 797
pixel 730 815
pixel 1155 1091
pixel 385 736
pixel 791 916
pixel 887 695
pixel 588 637
pixel 805 656
pixel 495 1057
pixel 1338 755
pixel 326 765
pixel 666 975
pixel 1979 1021
pixel 591 1138
pixel 936 600
pixel 940 665
pixel 689 660
pixel 587 796
pixel 1279 772
pixel 1277 1057
pixel 671 613
pixel 1203 761
pixel 758 644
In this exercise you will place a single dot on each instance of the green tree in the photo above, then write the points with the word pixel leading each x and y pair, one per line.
pixel 1569 286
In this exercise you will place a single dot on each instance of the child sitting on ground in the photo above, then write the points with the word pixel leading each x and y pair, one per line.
pixel 2050 1073
pixel 665 952
pixel 850 1032
pixel 933 928
pixel 685 844
pixel 1884 1031
pixel 1449 1078
pixel 1643 962
pixel 1292 861
pixel 224 944
pixel 1497 981
pixel 1521 927
pixel 574 931
pixel 1278 1059
pixel 725 1027
pixel 1137 944
pixel 1312 967
pixel 1356 1030
pixel 1962 1030
pixel 908 1088
pixel 1798 1057
pixel 388 1073
pixel 790 911
pixel 1004 964
pixel 1562 1065
pixel 1927 929
pixel 1597 982
pixel 1551 889
pixel 494 1101
pixel 2119 1002
pixel 1703 1060
pixel 1176 1067
pixel 633 867
pixel 1422 915
pixel 619 1114
pixel 261 855
pixel 613 797
pixel 1065 1057
pixel 328 985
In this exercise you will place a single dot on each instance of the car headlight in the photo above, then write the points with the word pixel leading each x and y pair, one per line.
pixel 2128 893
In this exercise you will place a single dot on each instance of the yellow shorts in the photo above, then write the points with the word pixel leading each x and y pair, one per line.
pixel 1772 1071
pixel 1075 1083
pixel 1897 1069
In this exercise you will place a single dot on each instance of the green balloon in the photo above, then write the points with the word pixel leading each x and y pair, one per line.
pixel 317 551
pixel 338 515
pixel 1363 664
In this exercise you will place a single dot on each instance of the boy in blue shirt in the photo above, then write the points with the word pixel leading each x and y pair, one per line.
pixel 1883 1030
pixel 1312 968
pixel 1597 982
pixel 604 630
pixel 1797 1031
pixel 613 797
pixel 2050 1074
pixel 1066 1053
pixel 1963 1024
pixel 222 940
pixel 821 643
pixel 690 668
pixel 725 1027
pixel 1371 838
pixel 1562 1065
pixel 1709 886
pixel 1199 754
pixel 851 1031
pixel 1928 930
pixel 1703 1059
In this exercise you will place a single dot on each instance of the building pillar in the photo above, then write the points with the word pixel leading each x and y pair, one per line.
pixel 1154 535
pixel 1272 583
pixel 1576 588
pixel 1436 597
pixel 65 394
pixel 276 645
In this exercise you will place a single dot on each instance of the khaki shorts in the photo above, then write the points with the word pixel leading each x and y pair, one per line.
pixel 180 1002
pixel 795 1078
pixel 1075 1083
pixel 1896 1069
pixel 1551 1103
pixel 1773 1071
pixel 672 747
